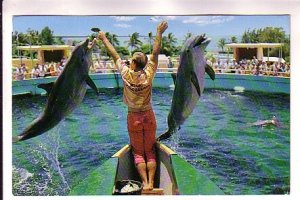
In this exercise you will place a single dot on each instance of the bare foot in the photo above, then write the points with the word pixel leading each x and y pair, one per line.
pixel 146 187
pixel 150 185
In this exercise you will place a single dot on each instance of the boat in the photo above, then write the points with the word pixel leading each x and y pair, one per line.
pixel 174 176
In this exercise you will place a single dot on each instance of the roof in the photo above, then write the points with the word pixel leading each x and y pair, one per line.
pixel 44 47
pixel 254 45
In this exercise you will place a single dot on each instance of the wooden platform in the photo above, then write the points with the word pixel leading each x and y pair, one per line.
pixel 155 191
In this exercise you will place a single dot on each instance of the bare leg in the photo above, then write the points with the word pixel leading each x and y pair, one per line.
pixel 141 167
pixel 151 166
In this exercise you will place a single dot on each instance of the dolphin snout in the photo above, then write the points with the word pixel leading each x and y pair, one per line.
pixel 202 41
pixel 85 44
pixel 206 41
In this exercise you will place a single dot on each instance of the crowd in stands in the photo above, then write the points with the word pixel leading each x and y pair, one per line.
pixel 253 66
pixel 102 67
pixel 39 70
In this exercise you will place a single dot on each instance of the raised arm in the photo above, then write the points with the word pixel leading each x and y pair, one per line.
pixel 157 43
pixel 109 47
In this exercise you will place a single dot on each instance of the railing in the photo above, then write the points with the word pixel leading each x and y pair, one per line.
pixel 27 76
pixel 252 72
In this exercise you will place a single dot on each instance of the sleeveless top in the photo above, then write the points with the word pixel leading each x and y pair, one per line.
pixel 137 92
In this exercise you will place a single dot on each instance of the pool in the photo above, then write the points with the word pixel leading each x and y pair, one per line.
pixel 217 139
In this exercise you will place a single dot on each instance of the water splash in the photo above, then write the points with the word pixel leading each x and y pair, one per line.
pixel 51 153
pixel 21 179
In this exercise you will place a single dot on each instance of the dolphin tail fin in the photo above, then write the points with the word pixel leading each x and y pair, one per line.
pixel 165 135
pixel 91 83
pixel 46 86
pixel 210 71
pixel 16 139
pixel 195 82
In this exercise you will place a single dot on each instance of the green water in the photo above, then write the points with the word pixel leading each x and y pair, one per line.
pixel 217 139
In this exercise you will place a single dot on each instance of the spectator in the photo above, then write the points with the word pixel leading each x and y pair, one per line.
pixel 52 70
pixel 35 71
pixel 59 68
pixel 25 71
pixel 19 73
pixel 63 61
pixel 42 70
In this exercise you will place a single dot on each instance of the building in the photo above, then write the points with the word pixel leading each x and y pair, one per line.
pixel 45 53
pixel 248 50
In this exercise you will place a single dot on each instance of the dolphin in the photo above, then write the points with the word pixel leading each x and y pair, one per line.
pixel 65 94
pixel 189 83
pixel 274 121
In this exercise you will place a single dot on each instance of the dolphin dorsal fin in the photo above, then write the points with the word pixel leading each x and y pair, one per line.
pixel 91 83
pixel 195 82
pixel 46 86
pixel 210 71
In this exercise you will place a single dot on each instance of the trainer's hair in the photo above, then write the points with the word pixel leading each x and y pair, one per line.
pixel 140 60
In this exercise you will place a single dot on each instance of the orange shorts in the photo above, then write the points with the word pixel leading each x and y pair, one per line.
pixel 142 130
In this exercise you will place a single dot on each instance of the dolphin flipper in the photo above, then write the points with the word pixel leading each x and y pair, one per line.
pixel 91 83
pixel 165 135
pixel 46 86
pixel 195 82
pixel 174 76
pixel 210 71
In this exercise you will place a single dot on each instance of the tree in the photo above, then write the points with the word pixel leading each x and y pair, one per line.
pixel 250 36
pixel 113 38
pixel 58 40
pixel 221 43
pixel 165 47
pixel 187 36
pixel 146 48
pixel 211 57
pixel 233 39
pixel 168 44
pixel 269 35
pixel 150 35
pixel 134 41
pixel 123 51
pixel 46 36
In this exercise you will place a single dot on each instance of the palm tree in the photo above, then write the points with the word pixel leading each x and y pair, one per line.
pixel 113 38
pixel 187 36
pixel 221 43
pixel 134 41
pixel 150 35
pixel 171 39
pixel 169 44
pixel 32 37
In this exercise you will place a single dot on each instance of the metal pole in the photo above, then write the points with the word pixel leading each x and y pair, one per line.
pixel 280 55
pixel 31 53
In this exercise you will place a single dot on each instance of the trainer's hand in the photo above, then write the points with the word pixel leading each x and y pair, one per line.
pixel 101 35
pixel 162 26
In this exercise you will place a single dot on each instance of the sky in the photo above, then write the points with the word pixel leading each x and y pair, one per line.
pixel 214 26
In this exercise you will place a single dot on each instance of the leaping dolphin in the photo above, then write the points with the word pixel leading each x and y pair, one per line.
pixel 189 83
pixel 65 94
